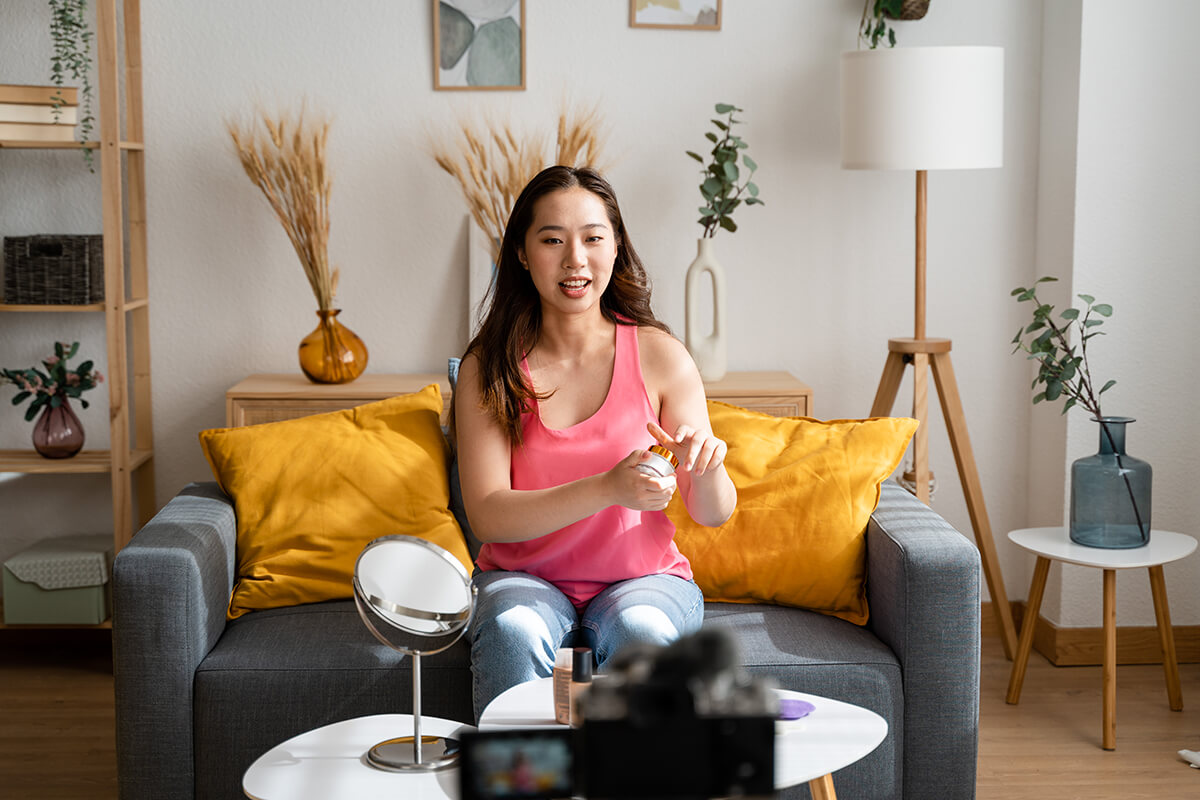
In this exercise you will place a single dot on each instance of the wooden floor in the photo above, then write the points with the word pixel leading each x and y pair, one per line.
pixel 56 726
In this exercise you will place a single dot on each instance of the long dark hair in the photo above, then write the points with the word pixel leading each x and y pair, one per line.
pixel 513 322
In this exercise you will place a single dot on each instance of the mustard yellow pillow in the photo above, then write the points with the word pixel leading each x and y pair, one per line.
pixel 806 489
pixel 310 493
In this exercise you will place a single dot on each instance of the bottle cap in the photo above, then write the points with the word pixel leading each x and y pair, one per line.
pixel 581 668
pixel 658 449
pixel 562 659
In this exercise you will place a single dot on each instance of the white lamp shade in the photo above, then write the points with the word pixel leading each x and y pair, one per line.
pixel 922 108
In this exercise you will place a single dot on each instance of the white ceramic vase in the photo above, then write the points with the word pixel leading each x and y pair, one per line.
pixel 708 350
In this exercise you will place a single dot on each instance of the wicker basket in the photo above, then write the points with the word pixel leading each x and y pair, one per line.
pixel 911 9
pixel 53 270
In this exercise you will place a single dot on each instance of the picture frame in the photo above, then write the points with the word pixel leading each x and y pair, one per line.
pixel 685 15
pixel 479 45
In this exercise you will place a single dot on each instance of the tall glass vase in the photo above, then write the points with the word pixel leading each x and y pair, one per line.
pixel 1110 493
pixel 332 353
pixel 58 433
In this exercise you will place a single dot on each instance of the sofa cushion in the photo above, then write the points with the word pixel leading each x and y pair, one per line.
pixel 310 493
pixel 806 489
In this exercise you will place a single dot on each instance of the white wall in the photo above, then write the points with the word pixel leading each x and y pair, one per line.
pixel 819 278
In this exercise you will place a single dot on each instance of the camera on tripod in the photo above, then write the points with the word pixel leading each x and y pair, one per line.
pixel 682 721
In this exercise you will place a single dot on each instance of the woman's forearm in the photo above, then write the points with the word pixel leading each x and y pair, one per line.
pixel 711 497
pixel 514 515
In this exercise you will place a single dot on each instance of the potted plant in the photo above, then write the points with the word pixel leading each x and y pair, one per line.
pixel 73 56
pixel 722 194
pixel 874 28
pixel 58 432
pixel 1110 491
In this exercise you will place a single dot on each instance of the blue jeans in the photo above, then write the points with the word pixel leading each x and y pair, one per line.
pixel 520 621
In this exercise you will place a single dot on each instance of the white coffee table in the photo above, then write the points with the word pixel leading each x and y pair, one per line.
pixel 328 763
pixel 834 735
pixel 1054 544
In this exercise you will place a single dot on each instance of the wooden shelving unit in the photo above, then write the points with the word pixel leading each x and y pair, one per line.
pixel 121 165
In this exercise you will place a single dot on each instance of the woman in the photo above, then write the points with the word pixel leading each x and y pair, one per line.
pixel 568 381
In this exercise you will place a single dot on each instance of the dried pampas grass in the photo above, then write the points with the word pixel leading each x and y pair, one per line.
pixel 284 155
pixel 492 166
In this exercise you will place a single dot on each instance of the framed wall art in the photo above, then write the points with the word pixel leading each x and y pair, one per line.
pixel 479 44
pixel 688 15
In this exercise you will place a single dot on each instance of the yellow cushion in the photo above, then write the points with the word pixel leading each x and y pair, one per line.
pixel 806 489
pixel 310 494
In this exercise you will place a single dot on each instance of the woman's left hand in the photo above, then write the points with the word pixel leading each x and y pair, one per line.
pixel 698 452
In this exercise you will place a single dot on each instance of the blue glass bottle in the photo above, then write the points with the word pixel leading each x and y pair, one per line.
pixel 1110 493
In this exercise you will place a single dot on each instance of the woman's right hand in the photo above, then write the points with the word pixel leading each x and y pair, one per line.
pixel 635 489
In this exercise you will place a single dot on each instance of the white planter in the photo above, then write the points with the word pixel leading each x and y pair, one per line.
pixel 708 350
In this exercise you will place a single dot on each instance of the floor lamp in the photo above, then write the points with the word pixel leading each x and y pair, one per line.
pixel 923 108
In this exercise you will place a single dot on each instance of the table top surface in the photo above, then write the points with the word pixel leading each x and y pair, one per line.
pixel 328 763
pixel 832 736
pixel 1055 542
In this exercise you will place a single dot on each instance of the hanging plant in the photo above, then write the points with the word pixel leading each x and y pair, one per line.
pixel 874 29
pixel 72 57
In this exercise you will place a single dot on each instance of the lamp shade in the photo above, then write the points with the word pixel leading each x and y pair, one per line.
pixel 922 108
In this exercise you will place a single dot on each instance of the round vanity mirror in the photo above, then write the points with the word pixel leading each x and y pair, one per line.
pixel 416 598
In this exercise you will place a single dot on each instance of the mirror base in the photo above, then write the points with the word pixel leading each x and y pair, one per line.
pixel 396 755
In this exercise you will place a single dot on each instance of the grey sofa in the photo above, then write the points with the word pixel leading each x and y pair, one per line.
pixel 199 698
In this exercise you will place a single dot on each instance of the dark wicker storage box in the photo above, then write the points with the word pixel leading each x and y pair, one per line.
pixel 53 270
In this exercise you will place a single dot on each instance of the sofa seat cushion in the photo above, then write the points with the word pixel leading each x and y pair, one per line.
pixel 819 654
pixel 280 672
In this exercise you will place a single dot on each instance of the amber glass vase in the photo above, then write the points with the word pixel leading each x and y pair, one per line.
pixel 58 432
pixel 332 353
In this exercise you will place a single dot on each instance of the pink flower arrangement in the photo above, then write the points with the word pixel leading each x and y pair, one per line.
pixel 57 383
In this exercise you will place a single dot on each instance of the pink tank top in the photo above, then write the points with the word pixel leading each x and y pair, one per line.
pixel 616 543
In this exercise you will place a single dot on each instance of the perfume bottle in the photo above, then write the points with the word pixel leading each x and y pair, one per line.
pixel 662 462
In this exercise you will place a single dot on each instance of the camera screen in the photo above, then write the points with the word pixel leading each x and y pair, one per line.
pixel 525 765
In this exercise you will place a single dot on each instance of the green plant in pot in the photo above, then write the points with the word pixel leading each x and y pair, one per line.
pixel 874 28
pixel 724 186
pixel 57 432
pixel 1110 491
pixel 72 57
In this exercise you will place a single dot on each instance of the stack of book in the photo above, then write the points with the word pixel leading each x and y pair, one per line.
pixel 27 113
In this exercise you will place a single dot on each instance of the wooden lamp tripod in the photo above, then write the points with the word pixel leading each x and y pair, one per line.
pixel 927 108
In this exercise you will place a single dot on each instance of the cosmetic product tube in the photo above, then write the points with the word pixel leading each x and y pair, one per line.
pixel 662 462
pixel 581 681
pixel 562 685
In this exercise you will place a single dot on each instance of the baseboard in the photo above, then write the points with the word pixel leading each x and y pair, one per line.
pixel 1076 647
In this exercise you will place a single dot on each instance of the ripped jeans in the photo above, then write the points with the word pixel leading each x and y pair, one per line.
pixel 521 620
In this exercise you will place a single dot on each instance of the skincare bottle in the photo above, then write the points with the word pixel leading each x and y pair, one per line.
pixel 581 681
pixel 662 462
pixel 562 685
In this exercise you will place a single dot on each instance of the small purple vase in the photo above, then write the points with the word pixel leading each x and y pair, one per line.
pixel 58 432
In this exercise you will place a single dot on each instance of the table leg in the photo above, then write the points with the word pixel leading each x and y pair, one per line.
pixel 1034 605
pixel 822 788
pixel 1158 588
pixel 1109 737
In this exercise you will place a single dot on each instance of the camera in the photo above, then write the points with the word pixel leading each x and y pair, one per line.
pixel 681 721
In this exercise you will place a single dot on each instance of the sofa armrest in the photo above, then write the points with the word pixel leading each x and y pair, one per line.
pixel 171 587
pixel 923 581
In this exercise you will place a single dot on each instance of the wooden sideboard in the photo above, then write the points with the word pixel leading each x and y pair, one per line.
pixel 270 398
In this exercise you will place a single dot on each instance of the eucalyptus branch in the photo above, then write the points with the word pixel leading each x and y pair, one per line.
pixel 72 55
pixel 720 188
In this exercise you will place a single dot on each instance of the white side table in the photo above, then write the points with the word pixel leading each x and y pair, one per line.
pixel 1054 544
pixel 328 763
pixel 832 736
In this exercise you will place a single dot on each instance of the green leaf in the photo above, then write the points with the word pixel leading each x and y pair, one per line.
pixel 1071 313
pixel 754 201
pixel 712 137
pixel 58 350
pixel 1067 405
pixel 695 156
pixel 725 108
pixel 74 350
pixel 1026 294
pixel 749 162
pixel 1053 390
pixel 1092 323
pixel 1047 279
pixel 21 398
pixel 728 224
pixel 720 124
pixel 1039 397
pixel 1087 298
pixel 712 187
pixel 752 188
pixel 1103 309
pixel 731 172
pixel 1108 386
pixel 1017 291
pixel 1036 325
